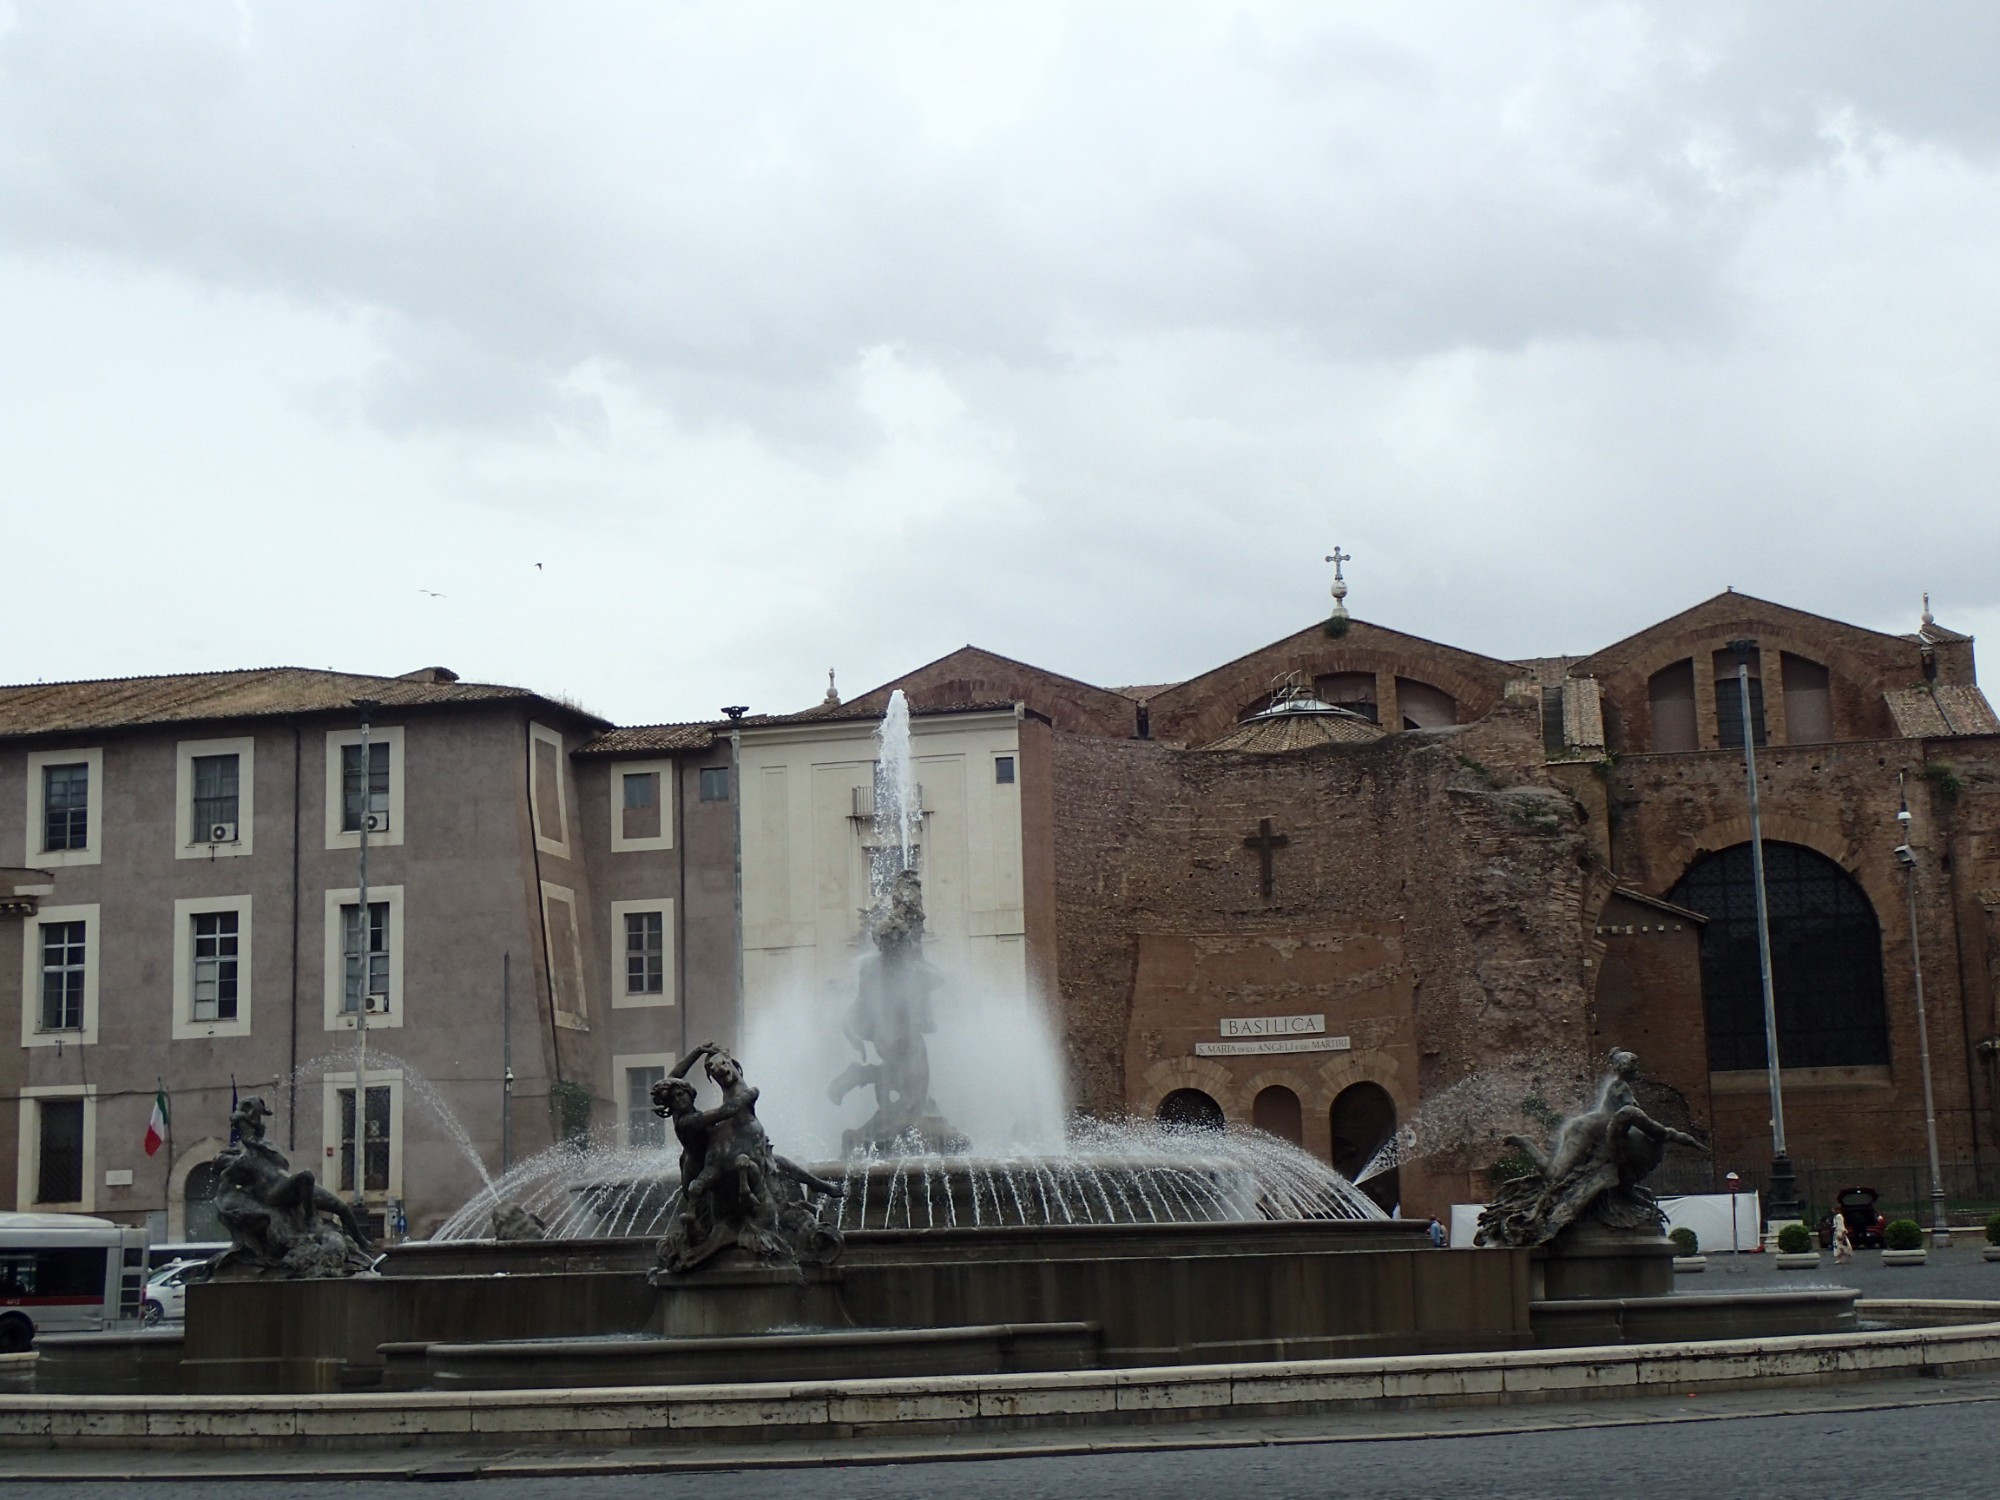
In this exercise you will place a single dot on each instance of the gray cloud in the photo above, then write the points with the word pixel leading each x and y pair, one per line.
pixel 1083 330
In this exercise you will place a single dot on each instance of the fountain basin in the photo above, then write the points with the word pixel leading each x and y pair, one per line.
pixel 815 1354
pixel 1154 1295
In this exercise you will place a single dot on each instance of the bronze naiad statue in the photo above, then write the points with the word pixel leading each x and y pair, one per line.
pixel 892 1013
pixel 735 1190
pixel 1593 1170
pixel 281 1223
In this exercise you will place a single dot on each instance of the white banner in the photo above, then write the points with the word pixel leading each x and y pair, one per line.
pixel 1272 1025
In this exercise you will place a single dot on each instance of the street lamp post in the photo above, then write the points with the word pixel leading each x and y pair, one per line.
pixel 1784 1196
pixel 1735 1185
pixel 367 706
pixel 1907 857
pixel 734 713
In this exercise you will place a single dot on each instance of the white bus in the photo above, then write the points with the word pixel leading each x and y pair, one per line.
pixel 67 1273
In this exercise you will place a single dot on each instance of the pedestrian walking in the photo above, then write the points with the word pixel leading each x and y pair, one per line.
pixel 1843 1242
pixel 1437 1235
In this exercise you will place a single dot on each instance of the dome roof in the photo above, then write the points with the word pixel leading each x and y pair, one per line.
pixel 1297 722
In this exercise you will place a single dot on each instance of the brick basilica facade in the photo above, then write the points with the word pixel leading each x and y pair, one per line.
pixel 1427 918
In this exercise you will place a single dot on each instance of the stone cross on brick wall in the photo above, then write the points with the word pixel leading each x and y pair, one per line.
pixel 1267 844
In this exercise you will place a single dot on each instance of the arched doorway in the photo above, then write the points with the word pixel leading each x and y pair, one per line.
pixel 1275 1111
pixel 1826 960
pixel 1363 1119
pixel 1190 1109
pixel 201 1225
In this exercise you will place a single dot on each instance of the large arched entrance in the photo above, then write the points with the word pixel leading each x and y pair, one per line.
pixel 1363 1119
pixel 1190 1109
pixel 1275 1111
pixel 1826 960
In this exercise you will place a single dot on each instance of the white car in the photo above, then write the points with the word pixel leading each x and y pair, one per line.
pixel 166 1294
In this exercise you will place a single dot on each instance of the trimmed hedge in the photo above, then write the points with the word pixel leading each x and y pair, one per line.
pixel 1686 1242
pixel 1796 1239
pixel 1904 1234
pixel 1993 1230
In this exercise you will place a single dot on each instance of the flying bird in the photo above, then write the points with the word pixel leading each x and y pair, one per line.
pixel 432 592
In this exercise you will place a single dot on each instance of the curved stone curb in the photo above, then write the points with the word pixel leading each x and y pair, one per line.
pixel 976 1403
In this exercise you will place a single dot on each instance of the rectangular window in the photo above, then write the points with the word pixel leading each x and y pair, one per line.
pixel 215 953
pixel 62 980
pixel 1003 769
pixel 643 1128
pixel 66 808
pixel 1729 712
pixel 60 1175
pixel 378 954
pixel 375 1147
pixel 715 783
pixel 369 794
pixel 215 800
pixel 645 953
pixel 641 815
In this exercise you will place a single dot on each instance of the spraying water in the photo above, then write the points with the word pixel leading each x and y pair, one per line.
pixel 899 811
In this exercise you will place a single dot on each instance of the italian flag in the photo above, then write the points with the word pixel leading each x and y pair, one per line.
pixel 156 1127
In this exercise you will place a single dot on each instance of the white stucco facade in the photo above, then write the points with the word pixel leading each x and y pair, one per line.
pixel 805 861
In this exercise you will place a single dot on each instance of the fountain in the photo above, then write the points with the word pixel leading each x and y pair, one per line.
pixel 954 1238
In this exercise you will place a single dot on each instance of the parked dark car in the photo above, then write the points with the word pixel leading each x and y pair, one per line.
pixel 1865 1226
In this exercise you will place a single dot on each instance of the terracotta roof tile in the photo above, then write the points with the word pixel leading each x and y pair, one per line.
pixel 1941 709
pixel 260 692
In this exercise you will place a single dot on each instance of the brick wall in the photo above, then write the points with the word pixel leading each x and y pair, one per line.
pixel 1456 852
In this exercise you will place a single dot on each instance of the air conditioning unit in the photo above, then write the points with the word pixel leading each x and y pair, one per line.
pixel 375 822
pixel 222 833
pixel 377 1005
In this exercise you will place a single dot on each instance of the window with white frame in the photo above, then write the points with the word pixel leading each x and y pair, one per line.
pixel 59 976
pixel 66 806
pixel 642 816
pixel 642 952
pixel 64 946
pixel 55 1164
pixel 364 1146
pixel 372 1148
pixel 214 978
pixel 364 957
pixel 214 789
pixel 212 966
pixel 65 812
pixel 364 785
pixel 364 966
pixel 644 1130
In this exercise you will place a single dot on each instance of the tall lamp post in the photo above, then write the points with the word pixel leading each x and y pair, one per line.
pixel 1784 1193
pixel 363 950
pixel 1907 857
pixel 734 713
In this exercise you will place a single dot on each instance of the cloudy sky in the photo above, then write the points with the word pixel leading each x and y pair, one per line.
pixel 689 350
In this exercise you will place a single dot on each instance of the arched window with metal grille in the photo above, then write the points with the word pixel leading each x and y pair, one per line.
pixel 1826 960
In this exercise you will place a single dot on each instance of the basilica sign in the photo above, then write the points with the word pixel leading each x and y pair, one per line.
pixel 1272 1025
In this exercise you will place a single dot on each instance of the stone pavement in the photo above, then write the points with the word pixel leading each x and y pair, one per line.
pixel 1957 1272
pixel 1848 1441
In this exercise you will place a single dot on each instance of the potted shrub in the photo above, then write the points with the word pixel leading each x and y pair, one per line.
pixel 1687 1251
pixel 1797 1249
pixel 1904 1242
pixel 1992 1250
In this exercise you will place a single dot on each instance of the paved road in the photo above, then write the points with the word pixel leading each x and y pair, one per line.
pixel 1955 1272
pixel 1941 1442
